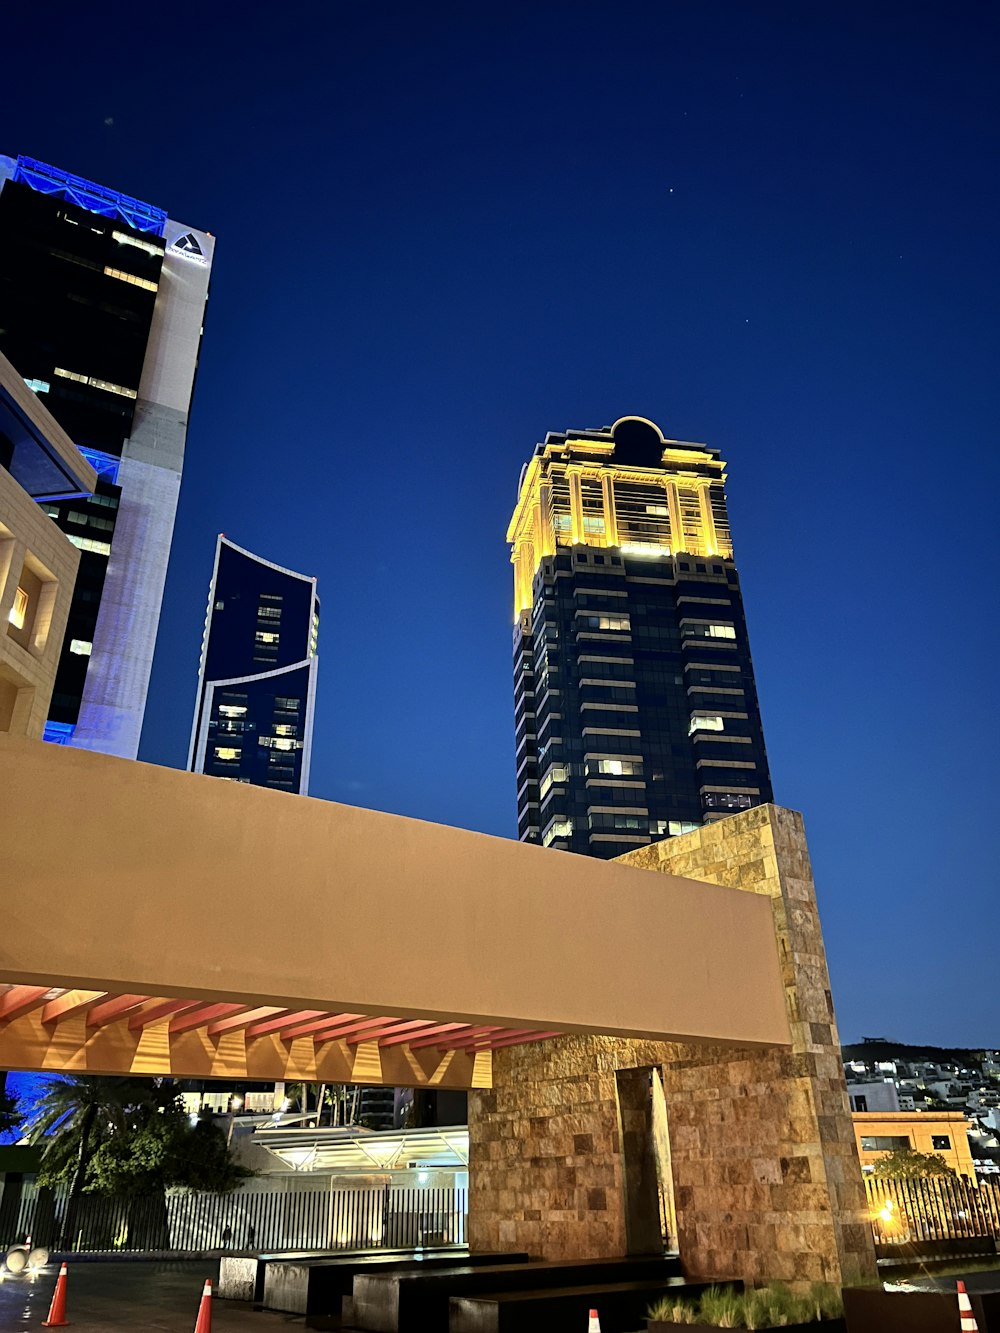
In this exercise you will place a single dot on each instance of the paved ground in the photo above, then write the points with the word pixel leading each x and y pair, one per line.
pixel 159 1295
pixel 980 1281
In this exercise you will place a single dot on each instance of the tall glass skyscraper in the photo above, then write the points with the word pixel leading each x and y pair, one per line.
pixel 253 718
pixel 636 712
pixel 102 301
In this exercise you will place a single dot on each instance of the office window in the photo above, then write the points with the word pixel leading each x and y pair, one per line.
pixel 558 773
pixel 884 1142
pixel 227 752
pixel 703 630
pixel 269 612
pixel 620 768
pixel 561 828
pixel 608 622
pixel 728 800
pixel 89 544
pixel 705 722
pixel 83 647
pixel 941 1142
pixel 232 710
pixel 18 613
pixel 130 278
pixel 265 636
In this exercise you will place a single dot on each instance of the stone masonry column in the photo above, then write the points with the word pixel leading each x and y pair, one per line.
pixel 766 1178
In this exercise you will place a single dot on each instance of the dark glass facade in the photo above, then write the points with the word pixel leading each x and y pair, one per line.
pixel 79 339
pixel 101 314
pixel 254 713
pixel 67 322
pixel 636 712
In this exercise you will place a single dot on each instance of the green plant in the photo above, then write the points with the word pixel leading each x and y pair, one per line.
pixel 908 1164
pixel 773 1306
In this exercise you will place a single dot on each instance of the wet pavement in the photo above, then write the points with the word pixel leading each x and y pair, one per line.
pixel 141 1295
pixel 975 1282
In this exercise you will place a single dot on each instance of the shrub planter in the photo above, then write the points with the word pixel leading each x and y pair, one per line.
pixel 817 1326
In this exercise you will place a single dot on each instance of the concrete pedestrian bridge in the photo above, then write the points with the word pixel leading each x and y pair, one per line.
pixel 626 1036
pixel 162 922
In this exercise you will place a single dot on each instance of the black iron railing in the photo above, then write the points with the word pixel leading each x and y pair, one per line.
pixel 931 1208
pixel 261 1219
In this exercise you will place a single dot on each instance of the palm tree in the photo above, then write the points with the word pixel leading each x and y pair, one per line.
pixel 9 1117
pixel 76 1115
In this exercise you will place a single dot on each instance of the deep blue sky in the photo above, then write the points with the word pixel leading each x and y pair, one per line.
pixel 446 228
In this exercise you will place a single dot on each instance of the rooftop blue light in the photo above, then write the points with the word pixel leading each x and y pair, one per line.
pixel 105 465
pixel 86 194
pixel 59 733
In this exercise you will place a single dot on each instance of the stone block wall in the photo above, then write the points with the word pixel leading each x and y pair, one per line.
pixel 766 1179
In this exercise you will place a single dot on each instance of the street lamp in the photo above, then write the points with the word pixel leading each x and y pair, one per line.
pixel 235 1102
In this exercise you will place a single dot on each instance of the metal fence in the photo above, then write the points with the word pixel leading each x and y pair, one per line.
pixel 301 1219
pixel 931 1208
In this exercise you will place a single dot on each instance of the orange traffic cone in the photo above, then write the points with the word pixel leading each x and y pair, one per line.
pixel 968 1319
pixel 57 1310
pixel 594 1324
pixel 204 1321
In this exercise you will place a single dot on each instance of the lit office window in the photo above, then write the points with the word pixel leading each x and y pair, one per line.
pixel 89 544
pixel 107 385
pixel 264 636
pixel 558 773
pixel 703 630
pixel 82 647
pixel 705 722
pixel 620 768
pixel 607 622
pixel 269 612
pixel 18 613
pixel 284 729
pixel 130 278
pixel 232 710
pixel 227 752
pixel 562 828
pixel 38 386
pixel 123 238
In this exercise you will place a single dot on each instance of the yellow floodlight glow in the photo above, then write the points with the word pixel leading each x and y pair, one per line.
pixel 575 493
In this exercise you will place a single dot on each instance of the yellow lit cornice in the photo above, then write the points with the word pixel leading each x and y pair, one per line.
pixel 538 527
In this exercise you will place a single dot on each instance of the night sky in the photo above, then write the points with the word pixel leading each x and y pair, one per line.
pixel 444 229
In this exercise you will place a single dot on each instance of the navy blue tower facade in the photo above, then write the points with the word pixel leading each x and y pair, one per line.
pixel 253 717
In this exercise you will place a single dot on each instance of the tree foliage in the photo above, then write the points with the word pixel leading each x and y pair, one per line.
pixel 10 1116
pixel 128 1136
pixel 908 1164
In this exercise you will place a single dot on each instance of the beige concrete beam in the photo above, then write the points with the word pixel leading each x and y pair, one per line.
pixel 129 879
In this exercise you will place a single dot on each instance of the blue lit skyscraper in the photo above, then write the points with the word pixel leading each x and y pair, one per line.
pixel 253 717
pixel 102 302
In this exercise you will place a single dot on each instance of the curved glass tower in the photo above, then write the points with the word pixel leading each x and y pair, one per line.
pixel 253 717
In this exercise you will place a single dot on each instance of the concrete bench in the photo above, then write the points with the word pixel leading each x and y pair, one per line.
pixel 622 1306
pixel 418 1302
pixel 323 1286
pixel 242 1275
